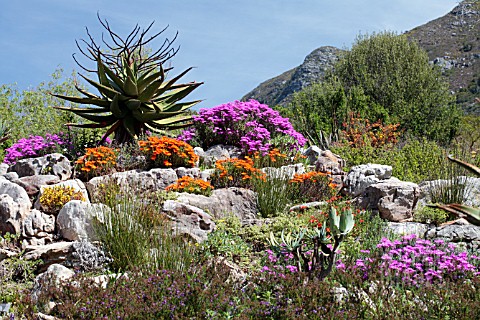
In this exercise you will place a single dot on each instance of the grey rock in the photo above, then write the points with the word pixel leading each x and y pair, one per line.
pixel 57 252
pixel 327 161
pixel 38 224
pixel 189 220
pixel 312 153
pixel 133 181
pixel 12 215
pixel 11 176
pixel 394 199
pixel 55 163
pixel 219 152
pixel 75 220
pixel 467 236
pixel 361 177
pixel 3 168
pixel 407 228
pixel 224 202
pixel 32 184
pixel 191 172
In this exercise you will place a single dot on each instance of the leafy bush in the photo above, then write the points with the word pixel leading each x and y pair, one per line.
pixel 54 198
pixel 191 185
pixel 248 125
pixel 395 73
pixel 235 173
pixel 167 152
pixel 96 162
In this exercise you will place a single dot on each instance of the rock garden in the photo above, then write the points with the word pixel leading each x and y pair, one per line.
pixel 234 212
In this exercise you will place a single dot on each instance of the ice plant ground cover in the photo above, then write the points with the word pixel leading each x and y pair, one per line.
pixel 35 146
pixel 248 125
pixel 412 261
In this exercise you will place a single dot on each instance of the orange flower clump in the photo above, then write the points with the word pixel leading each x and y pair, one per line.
pixel 97 161
pixel 313 186
pixel 235 173
pixel 274 158
pixel 191 185
pixel 168 152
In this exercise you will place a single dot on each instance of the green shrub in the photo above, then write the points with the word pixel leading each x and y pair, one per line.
pixel 431 215
pixel 273 194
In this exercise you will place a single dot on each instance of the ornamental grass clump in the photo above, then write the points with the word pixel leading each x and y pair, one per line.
pixel 54 198
pixel 191 185
pixel 235 173
pixel 312 186
pixel 165 152
pixel 96 162
pixel 35 146
pixel 250 126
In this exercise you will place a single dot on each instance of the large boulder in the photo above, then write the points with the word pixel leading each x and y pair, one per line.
pixel 466 235
pixel 55 164
pixel 32 184
pixel 394 199
pixel 137 181
pixel 53 276
pixel 75 220
pixel 362 176
pixel 14 206
pixel 189 220
pixel 224 202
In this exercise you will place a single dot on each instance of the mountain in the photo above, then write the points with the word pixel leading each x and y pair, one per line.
pixel 451 41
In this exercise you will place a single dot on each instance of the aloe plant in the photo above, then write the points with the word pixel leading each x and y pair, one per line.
pixel 470 214
pixel 135 94
pixel 320 263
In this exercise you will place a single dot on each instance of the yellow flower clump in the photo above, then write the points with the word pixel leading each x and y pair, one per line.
pixel 54 198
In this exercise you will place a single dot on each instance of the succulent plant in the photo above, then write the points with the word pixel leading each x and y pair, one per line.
pixel 320 263
pixel 470 214
pixel 135 94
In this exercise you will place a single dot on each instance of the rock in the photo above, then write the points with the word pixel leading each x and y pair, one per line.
pixel 189 220
pixel 407 228
pixel 191 172
pixel 394 199
pixel 362 176
pixel 52 253
pixel 75 220
pixel 224 202
pixel 87 257
pixel 76 184
pixel 312 153
pixel 468 234
pixel 53 276
pixel 471 190
pixel 38 224
pixel 308 205
pixel 55 163
pixel 18 194
pixel 218 152
pixel 11 176
pixel 12 215
pixel 3 168
pixel 6 254
pixel 327 161
pixel 32 184
pixel 133 181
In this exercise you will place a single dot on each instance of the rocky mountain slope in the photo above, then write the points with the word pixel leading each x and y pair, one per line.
pixel 451 41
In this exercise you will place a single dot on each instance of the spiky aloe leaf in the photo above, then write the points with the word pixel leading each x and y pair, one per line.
pixel 82 110
pixel 346 221
pixel 90 125
pixel 466 165
pixel 470 214
pixel 334 220
pixel 104 90
pixel 95 101
pixel 146 80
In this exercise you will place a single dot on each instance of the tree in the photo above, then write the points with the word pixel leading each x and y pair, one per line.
pixel 396 75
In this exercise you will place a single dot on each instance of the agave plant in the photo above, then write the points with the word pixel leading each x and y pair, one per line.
pixel 135 94
pixel 320 263
pixel 470 214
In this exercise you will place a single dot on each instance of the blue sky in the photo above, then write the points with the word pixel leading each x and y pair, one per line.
pixel 234 45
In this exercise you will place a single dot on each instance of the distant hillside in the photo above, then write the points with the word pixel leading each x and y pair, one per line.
pixel 452 42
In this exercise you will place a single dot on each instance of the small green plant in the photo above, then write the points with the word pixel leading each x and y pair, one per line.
pixel 54 198
pixel 273 194
pixel 310 248
pixel 224 243
pixel 431 215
